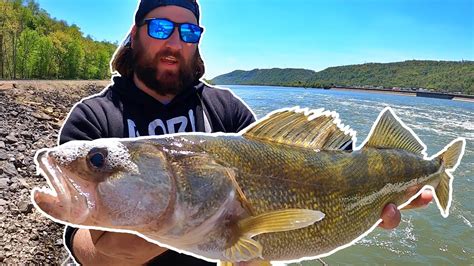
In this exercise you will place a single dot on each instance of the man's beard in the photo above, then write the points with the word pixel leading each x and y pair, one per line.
pixel 164 82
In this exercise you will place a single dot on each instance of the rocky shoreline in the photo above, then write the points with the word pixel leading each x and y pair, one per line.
pixel 31 114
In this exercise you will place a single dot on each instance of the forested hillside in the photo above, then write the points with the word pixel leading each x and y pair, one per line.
pixel 442 76
pixel 274 76
pixel 35 46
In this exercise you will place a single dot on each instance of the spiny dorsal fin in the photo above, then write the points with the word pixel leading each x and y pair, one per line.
pixel 314 129
pixel 389 132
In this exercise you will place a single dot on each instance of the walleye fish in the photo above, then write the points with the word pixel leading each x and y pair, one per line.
pixel 283 189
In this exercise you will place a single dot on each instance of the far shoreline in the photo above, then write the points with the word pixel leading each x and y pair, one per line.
pixel 7 84
pixel 455 97
pixel 425 94
pixel 401 93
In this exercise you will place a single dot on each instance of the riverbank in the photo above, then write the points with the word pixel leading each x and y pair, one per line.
pixel 376 91
pixel 31 113
pixel 51 84
pixel 448 96
pixel 455 97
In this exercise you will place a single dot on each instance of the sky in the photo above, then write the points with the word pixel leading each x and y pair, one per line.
pixel 310 34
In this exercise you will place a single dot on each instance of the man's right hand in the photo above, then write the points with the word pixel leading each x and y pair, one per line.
pixel 99 247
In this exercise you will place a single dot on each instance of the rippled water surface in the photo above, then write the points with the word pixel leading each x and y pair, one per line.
pixel 423 236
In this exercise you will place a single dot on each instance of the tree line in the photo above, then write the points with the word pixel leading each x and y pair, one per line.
pixel 439 76
pixel 35 46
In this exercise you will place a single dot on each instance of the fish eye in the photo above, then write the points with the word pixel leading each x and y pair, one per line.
pixel 96 157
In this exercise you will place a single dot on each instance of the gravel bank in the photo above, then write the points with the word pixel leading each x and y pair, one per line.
pixel 31 113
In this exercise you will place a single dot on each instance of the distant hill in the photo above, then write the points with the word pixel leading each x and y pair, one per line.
pixel 274 76
pixel 440 76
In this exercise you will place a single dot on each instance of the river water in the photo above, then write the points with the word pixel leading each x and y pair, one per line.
pixel 424 236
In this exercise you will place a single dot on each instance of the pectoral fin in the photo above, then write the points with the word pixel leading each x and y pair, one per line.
pixel 278 221
pixel 245 248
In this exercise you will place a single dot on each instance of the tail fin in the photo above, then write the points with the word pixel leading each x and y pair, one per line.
pixel 450 157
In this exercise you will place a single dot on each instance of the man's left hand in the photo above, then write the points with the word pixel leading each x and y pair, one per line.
pixel 391 215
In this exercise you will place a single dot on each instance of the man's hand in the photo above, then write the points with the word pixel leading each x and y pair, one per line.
pixel 391 215
pixel 98 247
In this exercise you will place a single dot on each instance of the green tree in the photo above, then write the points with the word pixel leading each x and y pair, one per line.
pixel 27 52
pixel 33 45
pixel 44 64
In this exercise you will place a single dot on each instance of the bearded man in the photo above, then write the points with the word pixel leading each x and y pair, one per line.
pixel 156 90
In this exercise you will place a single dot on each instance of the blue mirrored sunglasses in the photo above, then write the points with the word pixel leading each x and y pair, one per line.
pixel 161 29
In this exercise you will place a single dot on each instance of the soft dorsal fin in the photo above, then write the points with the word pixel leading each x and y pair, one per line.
pixel 389 132
pixel 314 129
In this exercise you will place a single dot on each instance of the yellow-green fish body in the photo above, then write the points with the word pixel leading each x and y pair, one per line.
pixel 349 190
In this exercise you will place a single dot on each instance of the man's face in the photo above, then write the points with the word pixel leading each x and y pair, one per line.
pixel 165 66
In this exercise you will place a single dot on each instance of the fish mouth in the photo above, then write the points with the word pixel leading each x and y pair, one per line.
pixel 60 199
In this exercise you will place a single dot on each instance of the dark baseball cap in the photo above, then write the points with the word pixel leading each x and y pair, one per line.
pixel 148 5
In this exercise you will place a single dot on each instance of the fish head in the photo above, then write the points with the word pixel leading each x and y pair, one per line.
pixel 104 183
